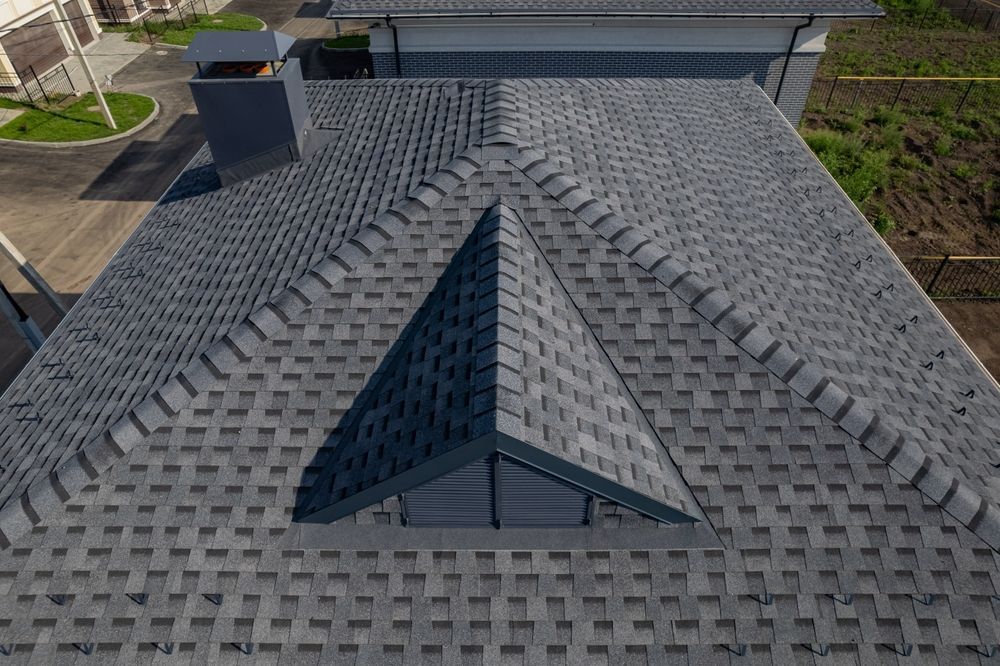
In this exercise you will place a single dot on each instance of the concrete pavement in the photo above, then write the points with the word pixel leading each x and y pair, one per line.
pixel 69 210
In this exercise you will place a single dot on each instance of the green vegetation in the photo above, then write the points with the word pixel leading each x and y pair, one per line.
pixel 943 46
pixel 964 171
pixel 859 168
pixel 943 146
pixel 348 42
pixel 883 222
pixel 76 122
pixel 180 34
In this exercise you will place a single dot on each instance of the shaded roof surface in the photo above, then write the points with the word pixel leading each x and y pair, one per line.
pixel 168 430
pixel 376 8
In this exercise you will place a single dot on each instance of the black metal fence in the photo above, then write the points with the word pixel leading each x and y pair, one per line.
pixel 179 17
pixel 927 95
pixel 50 88
pixel 957 277
pixel 940 14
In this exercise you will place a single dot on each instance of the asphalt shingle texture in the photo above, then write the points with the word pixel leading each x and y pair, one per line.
pixel 496 348
pixel 721 272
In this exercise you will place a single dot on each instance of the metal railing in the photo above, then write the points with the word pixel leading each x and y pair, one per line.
pixel 50 88
pixel 179 17
pixel 941 15
pixel 926 94
pixel 950 277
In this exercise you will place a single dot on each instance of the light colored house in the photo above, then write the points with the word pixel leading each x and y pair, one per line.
pixel 777 43
pixel 124 11
pixel 33 40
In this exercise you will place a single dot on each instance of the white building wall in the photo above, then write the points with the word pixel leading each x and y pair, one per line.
pixel 679 35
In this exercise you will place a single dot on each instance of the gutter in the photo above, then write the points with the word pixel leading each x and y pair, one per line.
pixel 788 57
pixel 333 14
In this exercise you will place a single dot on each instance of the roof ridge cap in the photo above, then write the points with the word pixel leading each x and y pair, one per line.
pixel 46 495
pixel 855 416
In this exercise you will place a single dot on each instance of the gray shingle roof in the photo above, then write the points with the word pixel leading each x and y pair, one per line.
pixel 381 8
pixel 777 350
pixel 497 348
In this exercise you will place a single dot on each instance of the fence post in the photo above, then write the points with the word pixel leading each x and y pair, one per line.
pixel 898 93
pixel 832 88
pixel 923 18
pixel 194 10
pixel 964 97
pixel 971 18
pixel 41 88
pixel 937 274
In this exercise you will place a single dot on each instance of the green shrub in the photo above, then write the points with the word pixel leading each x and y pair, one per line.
pixel 908 162
pixel 883 223
pixel 943 146
pixel 860 171
pixel 964 170
pixel 886 117
pixel 964 132
pixel 891 138
pixel 848 124
pixel 869 174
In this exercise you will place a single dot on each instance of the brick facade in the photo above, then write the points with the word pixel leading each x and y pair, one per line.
pixel 764 68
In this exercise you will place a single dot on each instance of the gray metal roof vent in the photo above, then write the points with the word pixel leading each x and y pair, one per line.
pixel 251 100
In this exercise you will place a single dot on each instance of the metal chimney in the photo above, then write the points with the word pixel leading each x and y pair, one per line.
pixel 251 101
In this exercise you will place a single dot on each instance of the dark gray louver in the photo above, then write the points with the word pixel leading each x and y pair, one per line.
pixel 466 497
pixel 534 499
pixel 462 498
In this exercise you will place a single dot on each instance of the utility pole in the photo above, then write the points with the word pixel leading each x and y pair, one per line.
pixel 25 268
pixel 78 52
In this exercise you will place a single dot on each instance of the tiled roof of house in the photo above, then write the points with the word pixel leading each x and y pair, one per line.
pixel 381 8
pixel 719 292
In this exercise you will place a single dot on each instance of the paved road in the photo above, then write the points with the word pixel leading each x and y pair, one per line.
pixel 69 209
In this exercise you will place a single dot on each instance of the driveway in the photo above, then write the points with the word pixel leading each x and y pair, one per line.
pixel 69 209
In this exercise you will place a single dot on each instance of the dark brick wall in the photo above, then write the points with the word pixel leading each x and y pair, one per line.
pixel 764 68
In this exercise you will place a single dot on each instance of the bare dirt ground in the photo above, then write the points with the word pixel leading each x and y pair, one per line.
pixel 976 322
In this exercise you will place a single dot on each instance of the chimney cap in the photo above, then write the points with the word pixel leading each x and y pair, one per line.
pixel 238 46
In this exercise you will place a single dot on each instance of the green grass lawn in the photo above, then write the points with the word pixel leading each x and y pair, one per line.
pixel 348 42
pixel 75 122
pixel 173 32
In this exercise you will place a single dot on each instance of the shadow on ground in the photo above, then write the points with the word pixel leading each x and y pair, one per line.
pixel 144 169
pixel 320 64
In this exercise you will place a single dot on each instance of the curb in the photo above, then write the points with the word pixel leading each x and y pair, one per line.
pixel 91 142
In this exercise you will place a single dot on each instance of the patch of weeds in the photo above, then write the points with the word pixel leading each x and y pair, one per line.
pixel 850 124
pixel 891 138
pixel 965 171
pixel 859 170
pixel 943 146
pixel 909 162
pixel 883 222
pixel 887 117
pixel 964 132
